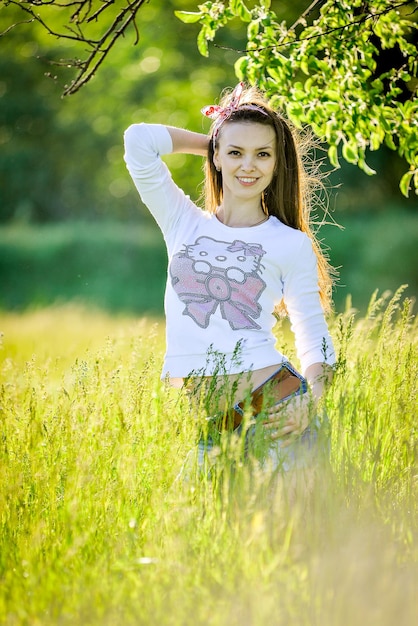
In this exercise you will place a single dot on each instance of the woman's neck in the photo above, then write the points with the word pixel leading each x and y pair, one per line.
pixel 244 217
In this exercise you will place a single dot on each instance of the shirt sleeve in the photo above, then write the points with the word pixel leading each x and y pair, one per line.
pixel 301 296
pixel 144 146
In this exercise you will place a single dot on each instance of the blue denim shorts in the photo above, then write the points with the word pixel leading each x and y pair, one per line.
pixel 255 440
pixel 304 451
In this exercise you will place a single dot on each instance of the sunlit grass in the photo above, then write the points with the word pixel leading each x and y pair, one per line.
pixel 97 528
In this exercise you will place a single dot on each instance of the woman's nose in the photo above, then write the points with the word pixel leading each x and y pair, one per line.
pixel 248 164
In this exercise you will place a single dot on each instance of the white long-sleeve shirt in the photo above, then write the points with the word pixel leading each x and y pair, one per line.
pixel 223 283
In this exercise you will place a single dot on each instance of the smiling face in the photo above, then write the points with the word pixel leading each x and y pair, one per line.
pixel 246 155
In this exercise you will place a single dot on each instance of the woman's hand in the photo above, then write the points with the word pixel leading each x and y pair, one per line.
pixel 287 420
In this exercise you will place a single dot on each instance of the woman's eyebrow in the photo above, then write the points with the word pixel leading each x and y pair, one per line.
pixel 268 147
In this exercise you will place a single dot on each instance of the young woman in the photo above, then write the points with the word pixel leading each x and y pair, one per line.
pixel 232 265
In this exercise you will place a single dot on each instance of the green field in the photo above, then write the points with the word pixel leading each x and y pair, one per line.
pixel 97 529
pixel 122 267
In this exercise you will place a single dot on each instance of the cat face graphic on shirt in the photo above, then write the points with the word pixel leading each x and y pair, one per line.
pixel 235 259
pixel 209 275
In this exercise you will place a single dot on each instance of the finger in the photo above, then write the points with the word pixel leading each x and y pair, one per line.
pixel 287 437
pixel 287 431
pixel 278 408
pixel 279 423
pixel 284 439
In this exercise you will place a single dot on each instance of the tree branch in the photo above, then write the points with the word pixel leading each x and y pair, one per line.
pixel 83 14
pixel 9 28
pixel 302 18
pixel 97 57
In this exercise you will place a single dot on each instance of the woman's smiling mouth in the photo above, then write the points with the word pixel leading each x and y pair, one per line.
pixel 247 180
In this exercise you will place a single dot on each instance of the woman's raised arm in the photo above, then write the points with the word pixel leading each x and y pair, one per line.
pixel 188 142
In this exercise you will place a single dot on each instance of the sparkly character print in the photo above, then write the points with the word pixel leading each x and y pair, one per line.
pixel 210 274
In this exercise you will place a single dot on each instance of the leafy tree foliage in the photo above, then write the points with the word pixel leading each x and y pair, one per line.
pixel 348 69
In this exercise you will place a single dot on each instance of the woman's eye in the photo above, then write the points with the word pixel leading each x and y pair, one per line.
pixel 264 154
pixel 234 152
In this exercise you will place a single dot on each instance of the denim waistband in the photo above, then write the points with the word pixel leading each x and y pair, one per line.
pixel 230 419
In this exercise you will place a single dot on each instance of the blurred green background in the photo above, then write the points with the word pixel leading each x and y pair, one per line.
pixel 71 224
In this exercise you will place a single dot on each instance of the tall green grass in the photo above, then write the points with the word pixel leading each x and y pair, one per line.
pixel 97 528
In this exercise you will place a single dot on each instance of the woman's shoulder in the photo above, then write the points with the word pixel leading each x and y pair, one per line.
pixel 293 247
pixel 283 230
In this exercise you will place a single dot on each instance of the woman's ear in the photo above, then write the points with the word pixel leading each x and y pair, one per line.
pixel 216 162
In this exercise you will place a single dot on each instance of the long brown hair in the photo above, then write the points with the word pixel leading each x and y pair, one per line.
pixel 292 189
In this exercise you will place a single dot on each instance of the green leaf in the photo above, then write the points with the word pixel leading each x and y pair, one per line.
pixel 295 112
pixel 332 107
pixel 350 152
pixel 333 156
pixel 188 17
pixel 239 9
pixel 405 183
pixel 245 14
pixel 375 141
pixel 240 67
pixel 253 29
pixel 384 123
pixel 331 94
pixel 389 142
pixel 304 66
pixel 366 168
pixel 276 74
pixel 299 95
pixel 330 128
pixel 202 44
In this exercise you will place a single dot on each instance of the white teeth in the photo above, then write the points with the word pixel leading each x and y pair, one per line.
pixel 247 180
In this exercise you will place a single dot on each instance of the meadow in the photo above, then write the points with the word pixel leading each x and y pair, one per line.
pixel 98 528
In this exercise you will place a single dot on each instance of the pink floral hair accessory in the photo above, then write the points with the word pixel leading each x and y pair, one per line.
pixel 220 114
